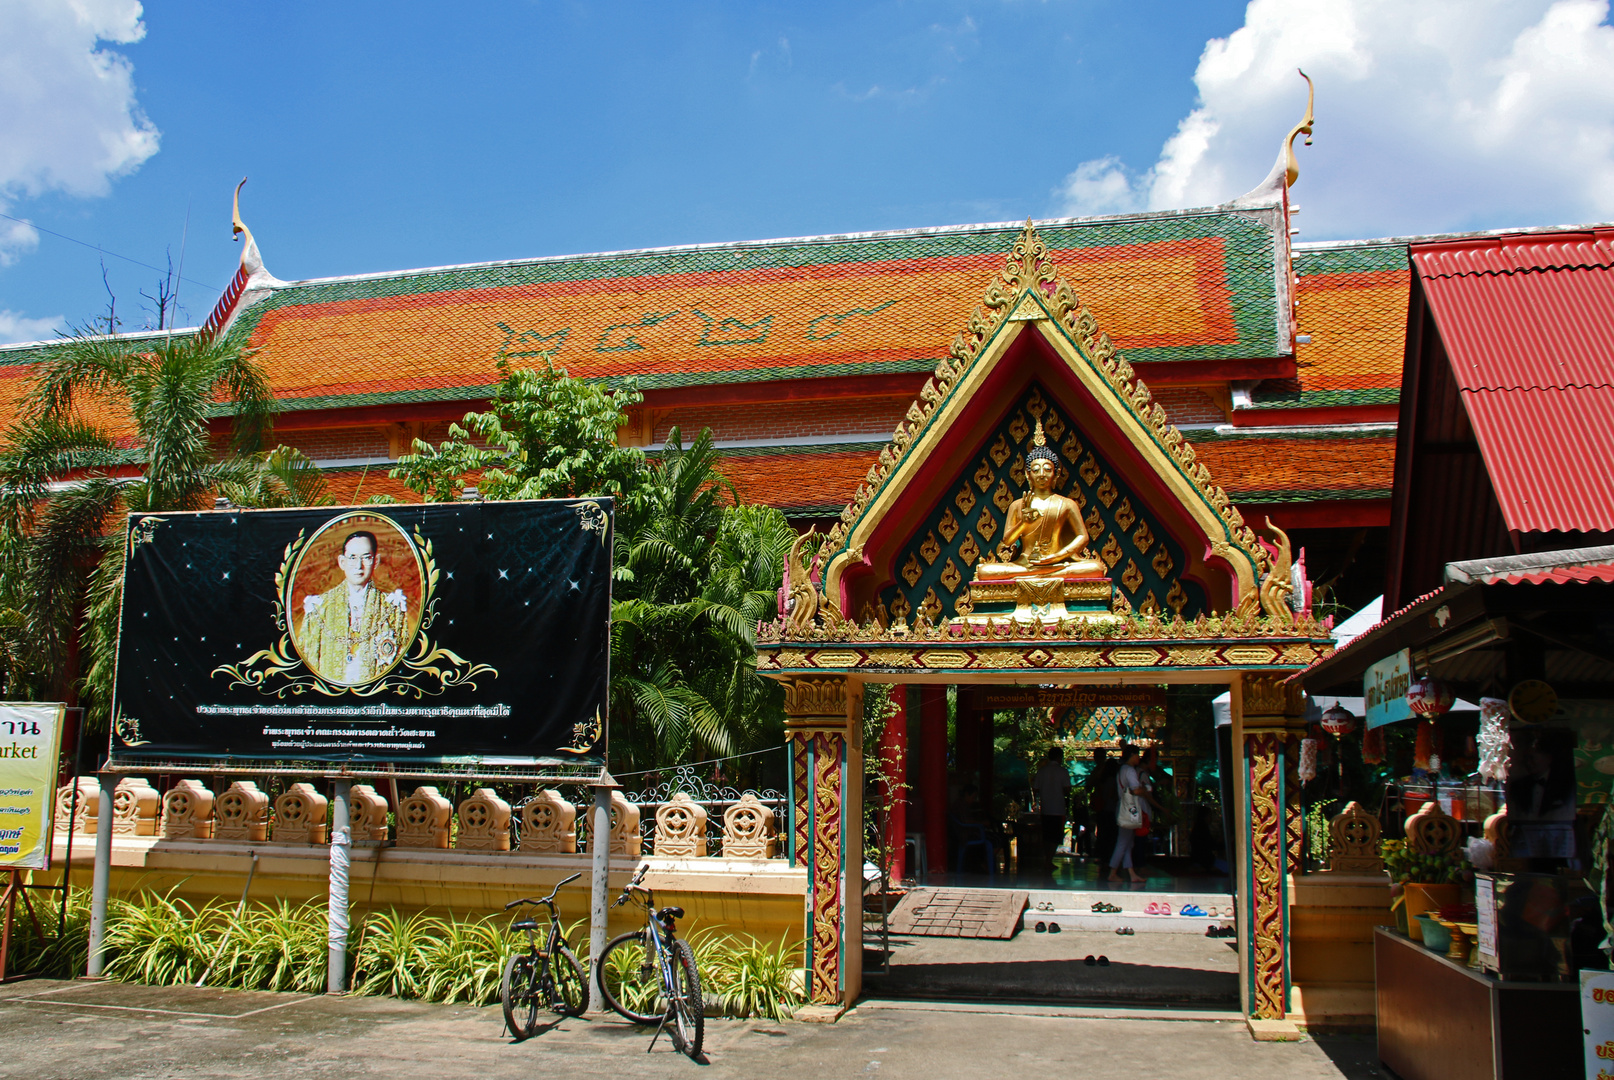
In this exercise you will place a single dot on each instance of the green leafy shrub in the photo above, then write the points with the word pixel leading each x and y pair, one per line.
pixel 747 977
pixel 1403 865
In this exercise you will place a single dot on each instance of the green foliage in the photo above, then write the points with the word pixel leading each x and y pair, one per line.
pixel 160 941
pixel 69 472
pixel 748 977
pixel 545 435
pixel 1403 864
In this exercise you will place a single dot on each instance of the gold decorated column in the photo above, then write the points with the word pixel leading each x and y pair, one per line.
pixel 1266 707
pixel 823 729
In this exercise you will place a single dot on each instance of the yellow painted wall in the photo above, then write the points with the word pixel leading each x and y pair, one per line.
pixel 1331 921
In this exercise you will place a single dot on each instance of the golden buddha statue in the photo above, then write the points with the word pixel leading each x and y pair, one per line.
pixel 1053 539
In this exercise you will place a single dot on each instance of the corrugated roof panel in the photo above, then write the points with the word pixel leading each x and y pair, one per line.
pixel 1527 329
pixel 1547 452
pixel 1559 575
pixel 1528 325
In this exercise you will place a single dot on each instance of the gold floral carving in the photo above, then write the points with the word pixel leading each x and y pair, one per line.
pixel 1002 497
pixel 947 526
pixel 1054 427
pixel 1089 470
pixel 1071 448
pixel 1124 514
pixel 900 609
pixel 1107 493
pixel 1110 552
pixel 983 476
pixel 828 923
pixel 1017 471
pixel 1266 847
pixel 1150 605
pixel 930 608
pixel 930 550
pixel 1000 451
pixel 1163 565
pixel 969 550
pixel 951 578
pixel 965 499
pixel 1018 428
pixel 1036 406
pixel 1271 695
pixel 1095 525
pixel 1176 597
pixel 1276 586
pixel 911 570
pixel 815 698
pixel 1131 577
pixel 1143 538
pixel 987 526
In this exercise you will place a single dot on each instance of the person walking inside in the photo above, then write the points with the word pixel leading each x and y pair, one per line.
pixel 1128 814
pixel 1101 800
pixel 1053 792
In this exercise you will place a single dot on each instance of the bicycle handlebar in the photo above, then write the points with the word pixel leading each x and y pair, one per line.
pixel 550 899
pixel 633 884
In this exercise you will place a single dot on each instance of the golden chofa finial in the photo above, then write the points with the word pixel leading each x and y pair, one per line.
pixel 237 226
pixel 1291 166
pixel 1037 437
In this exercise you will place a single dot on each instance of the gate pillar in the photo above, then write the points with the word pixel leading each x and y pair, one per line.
pixel 1268 840
pixel 823 729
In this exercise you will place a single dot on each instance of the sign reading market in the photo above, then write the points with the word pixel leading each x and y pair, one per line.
pixel 30 739
pixel 466 633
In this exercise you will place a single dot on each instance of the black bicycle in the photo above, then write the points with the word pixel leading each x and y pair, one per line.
pixel 548 977
pixel 649 976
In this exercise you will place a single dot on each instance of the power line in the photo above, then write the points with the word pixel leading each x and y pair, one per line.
pixel 103 251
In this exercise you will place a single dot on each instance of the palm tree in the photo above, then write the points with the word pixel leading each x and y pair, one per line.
pixel 110 426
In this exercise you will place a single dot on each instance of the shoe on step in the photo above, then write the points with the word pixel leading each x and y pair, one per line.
pixel 1053 928
pixel 1089 961
pixel 1042 928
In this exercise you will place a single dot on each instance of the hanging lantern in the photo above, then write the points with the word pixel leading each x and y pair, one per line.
pixel 1428 697
pixel 1307 767
pixel 1373 746
pixel 1427 747
pixel 1338 720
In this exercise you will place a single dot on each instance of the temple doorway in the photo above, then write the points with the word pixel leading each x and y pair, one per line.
pixel 964 776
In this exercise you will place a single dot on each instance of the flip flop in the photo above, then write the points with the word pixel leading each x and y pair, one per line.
pixel 1089 961
pixel 1152 908
pixel 1165 909
pixel 1193 911
pixel 1042 928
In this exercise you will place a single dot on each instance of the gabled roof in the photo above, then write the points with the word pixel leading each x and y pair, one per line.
pixel 1528 324
pixel 1190 285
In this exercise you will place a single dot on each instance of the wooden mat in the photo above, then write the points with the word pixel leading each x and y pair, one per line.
pixel 968 913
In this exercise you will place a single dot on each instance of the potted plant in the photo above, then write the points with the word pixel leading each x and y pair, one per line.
pixel 1422 881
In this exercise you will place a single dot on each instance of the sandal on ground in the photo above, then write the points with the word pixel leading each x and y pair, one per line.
pixel 1089 961
pixel 1103 961
pixel 1042 928
pixel 1053 928
pixel 1193 911
pixel 1151 908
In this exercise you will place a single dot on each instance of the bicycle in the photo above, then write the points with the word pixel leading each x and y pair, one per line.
pixel 551 976
pixel 648 976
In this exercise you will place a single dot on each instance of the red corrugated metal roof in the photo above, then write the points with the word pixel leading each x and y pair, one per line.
pixel 1561 575
pixel 1528 323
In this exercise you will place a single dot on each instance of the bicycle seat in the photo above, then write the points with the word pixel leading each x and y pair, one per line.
pixel 525 924
pixel 671 912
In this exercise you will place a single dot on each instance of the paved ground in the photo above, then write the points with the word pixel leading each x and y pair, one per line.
pixel 1144 969
pixel 84 1031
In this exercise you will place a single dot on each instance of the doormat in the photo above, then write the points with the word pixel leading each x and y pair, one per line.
pixel 965 913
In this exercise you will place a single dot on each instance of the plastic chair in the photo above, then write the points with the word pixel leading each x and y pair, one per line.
pixel 974 836
pixel 919 866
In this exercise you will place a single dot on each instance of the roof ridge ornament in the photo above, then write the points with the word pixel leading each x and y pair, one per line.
pixel 1286 170
pixel 251 258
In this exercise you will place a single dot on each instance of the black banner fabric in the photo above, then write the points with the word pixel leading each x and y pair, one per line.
pixel 470 633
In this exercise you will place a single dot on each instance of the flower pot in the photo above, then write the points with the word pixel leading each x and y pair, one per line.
pixel 1422 898
pixel 1436 938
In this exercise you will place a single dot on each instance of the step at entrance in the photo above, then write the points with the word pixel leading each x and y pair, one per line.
pixel 967 913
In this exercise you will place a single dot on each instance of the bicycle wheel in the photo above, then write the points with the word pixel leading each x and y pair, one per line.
pixel 629 979
pixel 688 1011
pixel 569 982
pixel 518 993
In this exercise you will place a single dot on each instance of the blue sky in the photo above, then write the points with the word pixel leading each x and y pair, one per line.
pixel 383 136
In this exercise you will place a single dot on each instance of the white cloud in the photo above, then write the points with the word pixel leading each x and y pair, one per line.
pixel 1431 115
pixel 14 327
pixel 69 121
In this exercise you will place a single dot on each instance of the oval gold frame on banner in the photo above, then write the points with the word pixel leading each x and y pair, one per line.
pixel 321 580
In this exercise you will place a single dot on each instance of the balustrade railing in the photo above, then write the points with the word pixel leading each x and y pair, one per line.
pixel 681 817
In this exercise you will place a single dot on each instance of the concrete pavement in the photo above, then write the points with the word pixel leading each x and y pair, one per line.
pixel 107 1031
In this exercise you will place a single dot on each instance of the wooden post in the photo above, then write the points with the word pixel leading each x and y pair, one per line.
pixel 893 781
pixel 933 773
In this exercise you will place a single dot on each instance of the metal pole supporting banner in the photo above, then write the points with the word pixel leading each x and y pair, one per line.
pixel 101 884
pixel 341 842
pixel 599 842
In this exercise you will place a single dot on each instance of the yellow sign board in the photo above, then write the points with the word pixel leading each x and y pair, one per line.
pixel 30 742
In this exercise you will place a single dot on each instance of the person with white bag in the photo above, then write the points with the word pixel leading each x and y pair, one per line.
pixel 1128 813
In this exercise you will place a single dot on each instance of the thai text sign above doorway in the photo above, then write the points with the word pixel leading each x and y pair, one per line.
pixel 1385 689
pixel 468 633
pixel 30 740
pixel 1068 697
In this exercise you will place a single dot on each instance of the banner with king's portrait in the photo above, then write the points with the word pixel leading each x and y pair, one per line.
pixel 465 633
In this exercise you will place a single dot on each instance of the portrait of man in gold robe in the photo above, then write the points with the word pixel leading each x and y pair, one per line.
pixel 354 633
